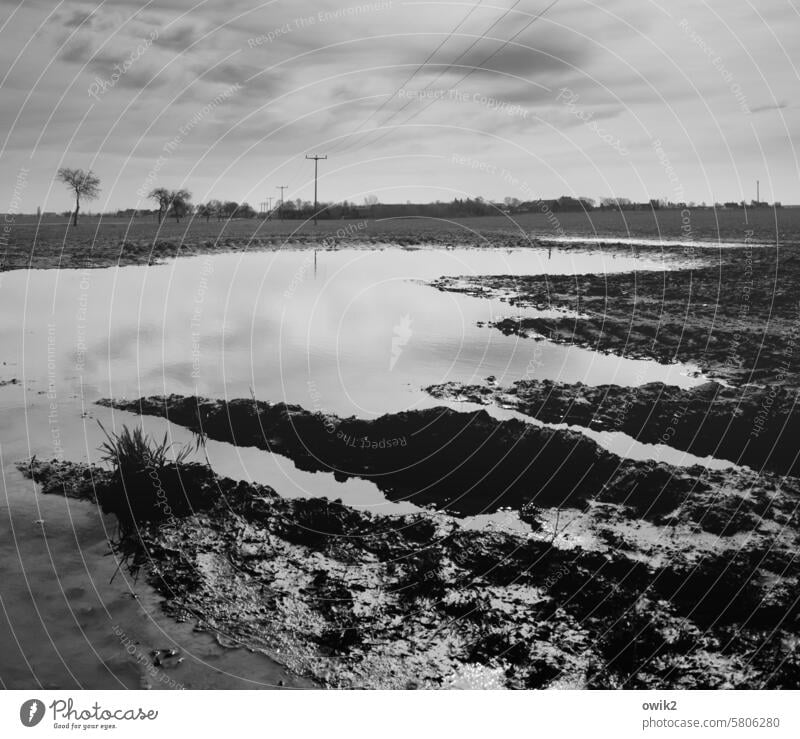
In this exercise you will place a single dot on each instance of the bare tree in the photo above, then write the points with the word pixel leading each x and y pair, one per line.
pixel 175 201
pixel 371 201
pixel 83 184
pixel 215 208
pixel 162 196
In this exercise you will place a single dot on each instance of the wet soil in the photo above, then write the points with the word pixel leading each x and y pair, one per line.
pixel 461 463
pixel 738 319
pixel 93 254
pixel 353 599
pixel 752 426
pixel 111 241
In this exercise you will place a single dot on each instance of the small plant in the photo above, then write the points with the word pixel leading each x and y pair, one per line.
pixel 148 483
pixel 133 451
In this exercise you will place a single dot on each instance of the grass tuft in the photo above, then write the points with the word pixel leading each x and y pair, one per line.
pixel 134 451
pixel 152 481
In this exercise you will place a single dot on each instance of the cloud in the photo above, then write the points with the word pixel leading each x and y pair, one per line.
pixel 628 62
pixel 178 39
pixel 79 18
pixel 770 106
pixel 78 51
pixel 515 61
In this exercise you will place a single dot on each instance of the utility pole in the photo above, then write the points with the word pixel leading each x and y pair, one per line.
pixel 316 159
pixel 281 188
pixel 758 192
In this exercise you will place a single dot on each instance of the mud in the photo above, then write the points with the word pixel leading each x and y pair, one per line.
pixel 461 463
pixel 352 599
pixel 109 243
pixel 737 319
pixel 752 426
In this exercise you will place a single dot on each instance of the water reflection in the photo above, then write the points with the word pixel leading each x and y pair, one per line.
pixel 348 332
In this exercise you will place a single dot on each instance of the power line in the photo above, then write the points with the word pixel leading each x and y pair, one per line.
pixel 412 75
pixel 267 207
pixel 281 188
pixel 466 51
pixel 469 73
pixel 316 159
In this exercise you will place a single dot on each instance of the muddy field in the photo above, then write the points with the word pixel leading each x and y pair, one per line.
pixel 103 242
pixel 748 426
pixel 686 581
pixel 631 574
pixel 592 571
pixel 737 317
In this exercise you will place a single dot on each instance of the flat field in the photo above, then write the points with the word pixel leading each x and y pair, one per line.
pixel 102 242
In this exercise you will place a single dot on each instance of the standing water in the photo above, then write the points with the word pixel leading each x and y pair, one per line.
pixel 351 332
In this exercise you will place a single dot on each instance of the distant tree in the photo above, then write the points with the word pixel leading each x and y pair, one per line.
pixel 162 196
pixel 203 211
pixel 229 208
pixel 245 210
pixel 345 210
pixel 618 203
pixel 214 208
pixel 180 204
pixel 371 201
pixel 171 201
pixel 84 184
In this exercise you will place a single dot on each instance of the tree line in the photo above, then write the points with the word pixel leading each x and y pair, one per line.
pixel 178 204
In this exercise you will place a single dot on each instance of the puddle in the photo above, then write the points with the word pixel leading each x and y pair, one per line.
pixel 351 332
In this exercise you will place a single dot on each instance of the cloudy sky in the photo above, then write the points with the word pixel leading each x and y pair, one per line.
pixel 410 100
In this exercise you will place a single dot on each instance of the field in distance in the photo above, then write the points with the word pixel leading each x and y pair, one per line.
pixel 105 241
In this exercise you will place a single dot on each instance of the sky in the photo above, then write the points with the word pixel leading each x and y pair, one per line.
pixel 411 101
